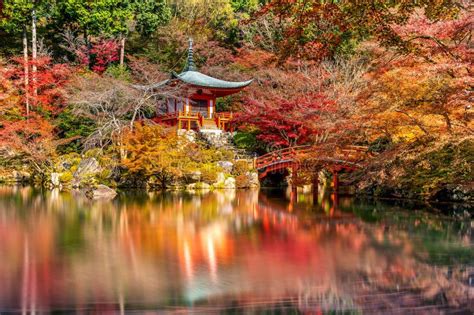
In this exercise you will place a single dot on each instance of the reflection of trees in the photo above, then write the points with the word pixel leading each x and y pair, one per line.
pixel 176 248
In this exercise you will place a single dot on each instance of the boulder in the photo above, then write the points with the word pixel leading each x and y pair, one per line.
pixel 227 166
pixel 253 180
pixel 190 135
pixel 7 153
pixel 229 183
pixel 220 178
pixel 101 192
pixel 55 182
pixel 86 168
pixel 195 176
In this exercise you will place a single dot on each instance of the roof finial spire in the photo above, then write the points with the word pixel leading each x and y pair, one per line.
pixel 190 65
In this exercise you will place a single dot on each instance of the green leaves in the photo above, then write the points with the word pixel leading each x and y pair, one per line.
pixel 149 14
pixel 15 14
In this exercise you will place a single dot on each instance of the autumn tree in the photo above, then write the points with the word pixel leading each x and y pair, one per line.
pixel 320 29
pixel 33 137
pixel 428 88
pixel 113 105
pixel 284 122
pixel 158 153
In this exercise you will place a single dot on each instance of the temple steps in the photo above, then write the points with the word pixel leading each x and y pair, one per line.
pixel 209 124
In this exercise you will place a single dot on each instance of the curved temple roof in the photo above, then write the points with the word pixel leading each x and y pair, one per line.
pixel 200 79
pixel 191 76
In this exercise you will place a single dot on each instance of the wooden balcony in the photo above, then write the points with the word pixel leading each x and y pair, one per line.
pixel 195 120
pixel 182 119
pixel 223 120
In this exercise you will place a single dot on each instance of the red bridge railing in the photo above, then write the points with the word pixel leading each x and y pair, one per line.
pixel 291 155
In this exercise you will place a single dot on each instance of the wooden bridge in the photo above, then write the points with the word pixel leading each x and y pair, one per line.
pixel 312 158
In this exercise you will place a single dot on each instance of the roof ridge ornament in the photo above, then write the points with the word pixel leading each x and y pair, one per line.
pixel 190 66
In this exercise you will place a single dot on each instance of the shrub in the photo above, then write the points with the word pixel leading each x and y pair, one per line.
pixel 242 181
pixel 240 168
pixel 209 174
pixel 66 177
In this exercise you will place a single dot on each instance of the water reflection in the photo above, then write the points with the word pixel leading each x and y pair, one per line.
pixel 227 251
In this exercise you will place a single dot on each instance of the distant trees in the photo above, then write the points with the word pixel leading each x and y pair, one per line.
pixel 319 29
pixel 110 19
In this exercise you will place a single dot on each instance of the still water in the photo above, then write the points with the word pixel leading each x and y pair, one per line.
pixel 230 252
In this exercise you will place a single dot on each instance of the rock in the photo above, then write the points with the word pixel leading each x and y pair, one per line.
pixel 220 178
pixel 227 166
pixel 200 186
pixel 254 182
pixel 21 176
pixel 229 183
pixel 101 192
pixel 190 135
pixel 217 138
pixel 55 180
pixel 195 176
pixel 86 168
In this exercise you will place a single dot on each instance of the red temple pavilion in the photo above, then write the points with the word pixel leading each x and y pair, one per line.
pixel 197 110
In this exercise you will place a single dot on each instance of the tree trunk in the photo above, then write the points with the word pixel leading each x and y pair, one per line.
pixel 122 50
pixel 26 72
pixel 34 53
pixel 449 125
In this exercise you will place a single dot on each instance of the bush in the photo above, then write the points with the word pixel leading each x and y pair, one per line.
pixel 119 72
pixel 240 168
pixel 209 174
pixel 380 144
pixel 242 181
pixel 66 177
pixel 246 140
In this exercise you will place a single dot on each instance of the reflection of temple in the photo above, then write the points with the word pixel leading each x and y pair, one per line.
pixel 181 249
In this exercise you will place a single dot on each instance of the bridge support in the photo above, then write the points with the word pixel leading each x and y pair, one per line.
pixel 335 181
pixel 316 182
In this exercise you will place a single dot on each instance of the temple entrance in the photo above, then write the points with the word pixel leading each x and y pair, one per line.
pixel 201 107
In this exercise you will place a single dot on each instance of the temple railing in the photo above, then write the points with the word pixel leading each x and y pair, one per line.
pixel 180 117
pixel 222 118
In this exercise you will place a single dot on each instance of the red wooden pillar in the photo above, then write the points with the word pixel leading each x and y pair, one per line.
pixel 335 181
pixel 335 204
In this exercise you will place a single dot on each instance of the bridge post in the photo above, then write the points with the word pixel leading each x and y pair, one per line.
pixel 316 182
pixel 335 181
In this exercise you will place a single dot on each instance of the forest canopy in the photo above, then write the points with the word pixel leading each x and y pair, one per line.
pixel 395 76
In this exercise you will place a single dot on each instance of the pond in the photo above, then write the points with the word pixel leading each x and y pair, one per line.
pixel 230 252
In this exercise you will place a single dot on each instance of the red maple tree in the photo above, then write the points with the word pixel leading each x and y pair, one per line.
pixel 282 122
pixel 46 98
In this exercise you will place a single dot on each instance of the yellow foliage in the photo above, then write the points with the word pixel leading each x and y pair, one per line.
pixel 158 152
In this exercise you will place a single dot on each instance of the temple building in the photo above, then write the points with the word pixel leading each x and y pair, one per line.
pixel 197 110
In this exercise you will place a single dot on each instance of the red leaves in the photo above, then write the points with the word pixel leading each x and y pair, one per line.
pixel 45 87
pixel 44 94
pixel 101 54
pixel 104 53
pixel 285 122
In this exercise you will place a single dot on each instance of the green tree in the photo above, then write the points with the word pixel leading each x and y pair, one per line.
pixel 149 15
